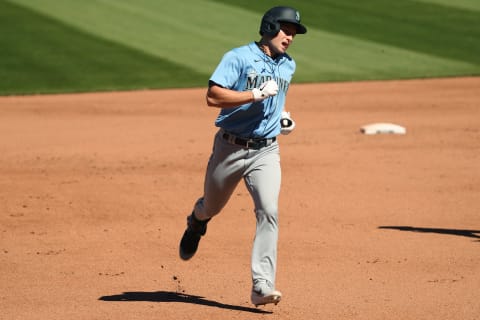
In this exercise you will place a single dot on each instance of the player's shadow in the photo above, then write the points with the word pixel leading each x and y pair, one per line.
pixel 166 296
pixel 475 234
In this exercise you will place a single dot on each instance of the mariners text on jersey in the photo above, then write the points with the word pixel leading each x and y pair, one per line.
pixel 243 69
pixel 255 81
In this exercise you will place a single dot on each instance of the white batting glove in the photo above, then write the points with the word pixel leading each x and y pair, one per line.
pixel 267 89
pixel 287 124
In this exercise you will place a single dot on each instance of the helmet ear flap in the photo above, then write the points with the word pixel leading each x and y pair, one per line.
pixel 270 26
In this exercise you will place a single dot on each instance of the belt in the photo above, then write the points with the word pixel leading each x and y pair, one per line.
pixel 251 143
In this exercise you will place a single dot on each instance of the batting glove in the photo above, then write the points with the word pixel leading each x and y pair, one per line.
pixel 287 124
pixel 267 89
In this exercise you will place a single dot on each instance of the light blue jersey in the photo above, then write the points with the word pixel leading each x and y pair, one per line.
pixel 243 69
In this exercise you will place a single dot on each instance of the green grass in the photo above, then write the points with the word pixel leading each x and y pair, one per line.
pixel 39 55
pixel 383 39
pixel 71 45
pixel 428 28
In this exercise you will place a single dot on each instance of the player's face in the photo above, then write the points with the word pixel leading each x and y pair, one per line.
pixel 284 38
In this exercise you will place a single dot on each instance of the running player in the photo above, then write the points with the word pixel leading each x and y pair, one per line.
pixel 249 86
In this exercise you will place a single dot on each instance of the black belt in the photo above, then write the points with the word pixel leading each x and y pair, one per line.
pixel 252 143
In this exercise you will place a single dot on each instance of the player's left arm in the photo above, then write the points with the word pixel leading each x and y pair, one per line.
pixel 287 124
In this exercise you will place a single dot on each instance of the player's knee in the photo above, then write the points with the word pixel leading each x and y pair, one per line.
pixel 268 214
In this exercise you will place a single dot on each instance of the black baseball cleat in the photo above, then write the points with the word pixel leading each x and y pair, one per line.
pixel 195 230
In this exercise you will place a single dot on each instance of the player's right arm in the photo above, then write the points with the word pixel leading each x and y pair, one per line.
pixel 220 97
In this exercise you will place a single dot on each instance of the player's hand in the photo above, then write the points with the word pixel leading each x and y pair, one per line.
pixel 267 89
pixel 286 122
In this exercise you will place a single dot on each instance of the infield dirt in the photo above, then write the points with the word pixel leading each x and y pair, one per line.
pixel 95 189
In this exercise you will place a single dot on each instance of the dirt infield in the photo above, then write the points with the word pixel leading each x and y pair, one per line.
pixel 95 188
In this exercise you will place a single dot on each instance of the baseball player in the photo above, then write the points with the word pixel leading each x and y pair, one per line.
pixel 249 87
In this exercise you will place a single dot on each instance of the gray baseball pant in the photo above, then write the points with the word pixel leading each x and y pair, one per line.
pixel 260 169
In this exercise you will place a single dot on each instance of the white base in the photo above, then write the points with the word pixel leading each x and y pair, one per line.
pixel 383 128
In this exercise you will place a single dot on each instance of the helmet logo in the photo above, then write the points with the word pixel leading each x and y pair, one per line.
pixel 297 16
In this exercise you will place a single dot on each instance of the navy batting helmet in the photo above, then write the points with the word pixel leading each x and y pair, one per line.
pixel 271 20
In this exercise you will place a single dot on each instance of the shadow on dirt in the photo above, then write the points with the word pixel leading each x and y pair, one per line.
pixel 166 296
pixel 454 232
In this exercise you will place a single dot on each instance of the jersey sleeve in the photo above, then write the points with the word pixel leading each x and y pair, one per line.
pixel 228 71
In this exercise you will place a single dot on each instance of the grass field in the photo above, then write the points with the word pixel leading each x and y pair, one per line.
pixel 69 46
